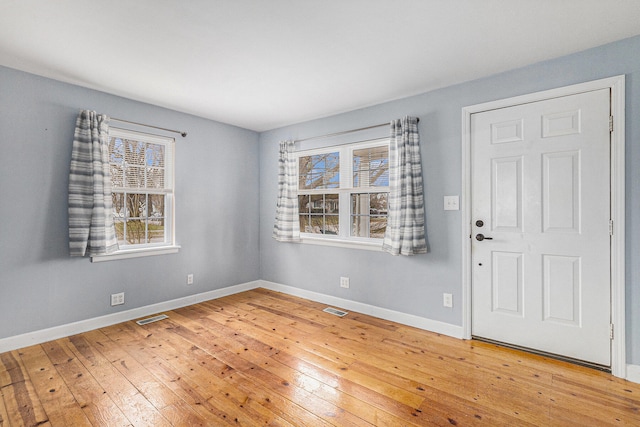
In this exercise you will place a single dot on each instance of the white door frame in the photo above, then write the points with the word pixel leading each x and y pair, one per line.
pixel 616 86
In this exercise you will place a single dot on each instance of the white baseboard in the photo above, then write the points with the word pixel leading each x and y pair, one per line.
pixel 49 334
pixel 371 310
pixel 633 373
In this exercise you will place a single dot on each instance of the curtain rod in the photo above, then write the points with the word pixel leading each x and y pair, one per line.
pixel 344 132
pixel 184 134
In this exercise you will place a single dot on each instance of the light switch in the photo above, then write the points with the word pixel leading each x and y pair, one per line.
pixel 451 203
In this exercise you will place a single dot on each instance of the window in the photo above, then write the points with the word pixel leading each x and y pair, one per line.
pixel 343 193
pixel 370 174
pixel 142 172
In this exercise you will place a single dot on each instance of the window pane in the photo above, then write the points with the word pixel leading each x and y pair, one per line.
pixel 331 224
pixel 317 224
pixel 369 204
pixel 155 178
pixel 119 224
pixel 117 175
pixel 360 225
pixel 303 205
pixel 136 205
pixel 155 232
pixel 117 199
pixel 156 205
pixel 371 167
pixel 116 151
pixel 317 203
pixel 319 171
pixel 360 204
pixel 305 224
pixel 369 214
pixel 155 155
pixel 378 226
pixel 134 152
pixel 136 231
pixel 331 203
pixel 378 203
pixel 134 177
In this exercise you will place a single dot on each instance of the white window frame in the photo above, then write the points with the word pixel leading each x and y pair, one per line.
pixel 344 238
pixel 169 245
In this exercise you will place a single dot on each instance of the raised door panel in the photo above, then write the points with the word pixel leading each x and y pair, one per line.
pixel 561 192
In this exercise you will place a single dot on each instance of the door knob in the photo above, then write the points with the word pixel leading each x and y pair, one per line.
pixel 480 237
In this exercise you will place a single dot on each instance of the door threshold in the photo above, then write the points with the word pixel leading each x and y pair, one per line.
pixel 579 362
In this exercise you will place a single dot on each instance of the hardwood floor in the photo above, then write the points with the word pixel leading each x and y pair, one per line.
pixel 265 358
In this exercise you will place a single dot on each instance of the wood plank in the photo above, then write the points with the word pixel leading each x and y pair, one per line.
pixel 198 365
pixel 266 358
pixel 556 394
pixel 61 406
pixel 239 361
pixel 92 398
pixel 181 414
pixel 4 415
pixel 279 405
pixel 157 356
pixel 321 389
pixel 194 369
pixel 271 363
pixel 136 373
pixel 22 404
pixel 131 402
pixel 460 381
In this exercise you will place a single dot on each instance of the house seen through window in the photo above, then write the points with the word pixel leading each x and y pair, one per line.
pixel 343 192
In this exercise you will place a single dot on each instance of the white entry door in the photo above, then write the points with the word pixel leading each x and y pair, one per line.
pixel 541 200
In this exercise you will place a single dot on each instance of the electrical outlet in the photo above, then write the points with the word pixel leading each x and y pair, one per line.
pixel 451 203
pixel 117 299
pixel 344 282
pixel 190 279
pixel 447 300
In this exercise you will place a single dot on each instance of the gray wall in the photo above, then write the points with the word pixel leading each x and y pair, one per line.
pixel 216 209
pixel 225 209
pixel 415 285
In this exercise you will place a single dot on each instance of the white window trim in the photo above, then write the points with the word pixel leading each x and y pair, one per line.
pixel 346 174
pixel 151 249
pixel 311 239
pixel 137 253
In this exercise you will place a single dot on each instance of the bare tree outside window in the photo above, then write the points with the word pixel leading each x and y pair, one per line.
pixel 369 210
pixel 363 191
pixel 319 213
pixel 319 171
pixel 138 190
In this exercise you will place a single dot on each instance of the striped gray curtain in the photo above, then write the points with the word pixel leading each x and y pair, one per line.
pixel 91 229
pixel 287 225
pixel 405 223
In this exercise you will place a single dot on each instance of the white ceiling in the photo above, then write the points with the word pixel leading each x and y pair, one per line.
pixel 262 64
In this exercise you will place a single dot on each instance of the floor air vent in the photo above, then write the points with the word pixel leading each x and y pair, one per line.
pixel 335 311
pixel 152 319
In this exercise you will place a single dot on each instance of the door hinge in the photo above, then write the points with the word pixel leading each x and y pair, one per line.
pixel 610 331
pixel 610 227
pixel 610 123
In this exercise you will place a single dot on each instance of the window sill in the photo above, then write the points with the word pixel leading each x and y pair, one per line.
pixel 343 243
pixel 136 253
